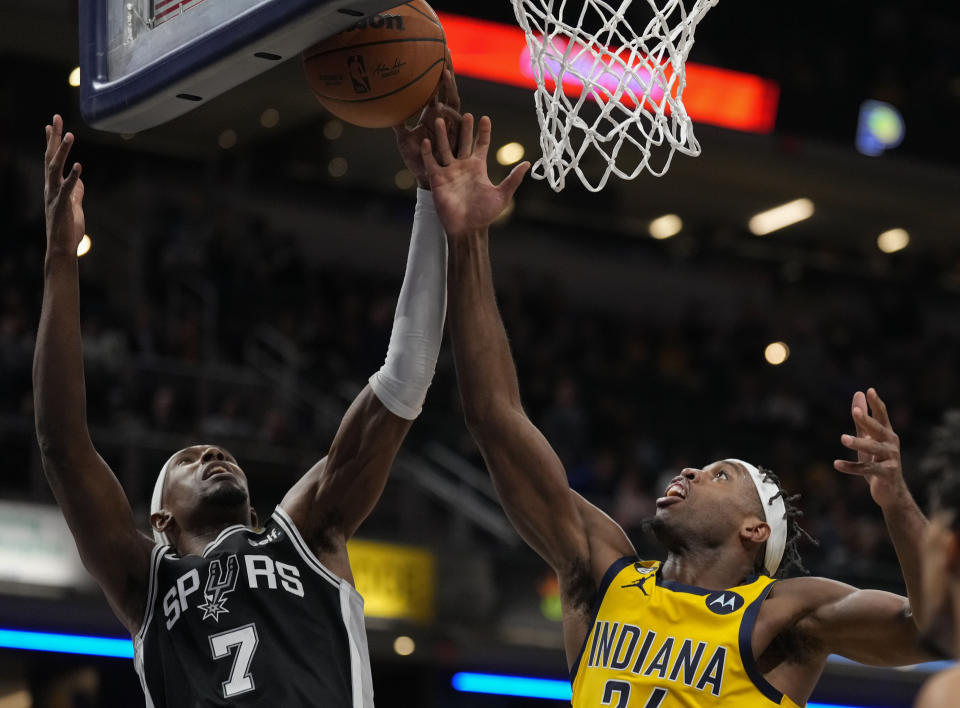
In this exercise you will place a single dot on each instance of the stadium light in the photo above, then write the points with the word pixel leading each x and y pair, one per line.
pixel 337 167
pixel 880 128
pixel 781 217
pixel 66 643
pixel 510 153
pixel 270 118
pixel 404 645
pixel 776 353
pixel 83 248
pixel 332 129
pixel 893 240
pixel 227 139
pixel 666 226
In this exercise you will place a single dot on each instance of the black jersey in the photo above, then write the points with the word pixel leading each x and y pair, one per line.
pixel 256 620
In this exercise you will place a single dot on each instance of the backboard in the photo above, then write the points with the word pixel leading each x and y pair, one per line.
pixel 144 62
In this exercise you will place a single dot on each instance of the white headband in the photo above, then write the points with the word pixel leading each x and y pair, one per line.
pixel 156 502
pixel 776 516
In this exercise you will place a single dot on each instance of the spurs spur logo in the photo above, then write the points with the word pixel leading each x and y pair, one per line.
pixel 219 585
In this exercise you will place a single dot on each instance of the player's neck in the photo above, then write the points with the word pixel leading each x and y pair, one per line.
pixel 193 540
pixel 713 568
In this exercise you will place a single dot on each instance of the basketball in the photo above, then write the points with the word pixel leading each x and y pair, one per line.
pixel 382 70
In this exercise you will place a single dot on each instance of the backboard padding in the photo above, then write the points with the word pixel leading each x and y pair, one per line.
pixel 135 74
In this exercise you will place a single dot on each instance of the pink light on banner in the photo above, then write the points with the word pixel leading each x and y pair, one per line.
pixel 497 52
pixel 608 73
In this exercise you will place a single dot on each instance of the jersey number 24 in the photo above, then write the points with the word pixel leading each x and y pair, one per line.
pixel 622 691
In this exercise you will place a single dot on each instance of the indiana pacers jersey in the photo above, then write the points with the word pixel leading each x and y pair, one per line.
pixel 256 620
pixel 659 644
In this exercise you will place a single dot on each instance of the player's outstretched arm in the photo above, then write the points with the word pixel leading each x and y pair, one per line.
pixel 91 498
pixel 569 533
pixel 870 626
pixel 878 462
pixel 331 501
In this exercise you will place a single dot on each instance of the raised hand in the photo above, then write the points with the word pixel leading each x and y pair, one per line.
pixel 445 104
pixel 878 450
pixel 466 199
pixel 62 197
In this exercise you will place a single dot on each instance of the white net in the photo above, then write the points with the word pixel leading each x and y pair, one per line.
pixel 627 114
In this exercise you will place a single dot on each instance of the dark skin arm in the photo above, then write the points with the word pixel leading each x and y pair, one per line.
pixel 878 462
pixel 827 617
pixel 870 626
pixel 332 499
pixel 574 537
pixel 941 691
pixel 90 497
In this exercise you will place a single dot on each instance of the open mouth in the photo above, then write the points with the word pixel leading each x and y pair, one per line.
pixel 674 494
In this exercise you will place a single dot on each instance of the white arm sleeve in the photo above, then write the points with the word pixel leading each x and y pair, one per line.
pixel 401 383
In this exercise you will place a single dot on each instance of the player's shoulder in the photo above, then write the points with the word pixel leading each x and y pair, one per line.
pixel 793 600
pixel 810 590
pixel 941 691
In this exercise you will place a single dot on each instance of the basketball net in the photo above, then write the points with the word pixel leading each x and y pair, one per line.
pixel 633 80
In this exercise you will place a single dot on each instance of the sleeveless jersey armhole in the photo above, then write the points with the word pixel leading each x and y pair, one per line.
pixel 608 577
pixel 304 550
pixel 747 624
pixel 138 639
pixel 351 612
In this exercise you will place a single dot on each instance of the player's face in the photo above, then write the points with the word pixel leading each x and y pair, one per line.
pixel 708 504
pixel 204 475
pixel 938 566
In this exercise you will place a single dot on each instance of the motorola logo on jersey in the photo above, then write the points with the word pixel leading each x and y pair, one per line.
pixel 723 602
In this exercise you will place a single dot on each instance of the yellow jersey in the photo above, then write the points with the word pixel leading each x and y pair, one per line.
pixel 656 643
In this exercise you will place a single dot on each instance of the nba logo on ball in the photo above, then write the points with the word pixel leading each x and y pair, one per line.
pixel 382 70
pixel 358 74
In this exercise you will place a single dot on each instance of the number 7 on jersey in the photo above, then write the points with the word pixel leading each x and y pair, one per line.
pixel 245 640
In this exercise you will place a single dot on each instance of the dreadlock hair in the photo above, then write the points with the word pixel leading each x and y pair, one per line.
pixel 941 466
pixel 795 532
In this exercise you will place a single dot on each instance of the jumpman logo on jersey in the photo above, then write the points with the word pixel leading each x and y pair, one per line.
pixel 219 585
pixel 639 584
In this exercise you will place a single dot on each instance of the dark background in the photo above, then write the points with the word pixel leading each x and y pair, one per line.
pixel 245 294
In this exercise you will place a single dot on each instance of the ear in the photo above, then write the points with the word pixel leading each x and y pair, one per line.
pixel 754 530
pixel 161 520
pixel 254 520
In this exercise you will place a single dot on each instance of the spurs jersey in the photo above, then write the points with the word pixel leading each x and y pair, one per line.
pixel 655 643
pixel 256 620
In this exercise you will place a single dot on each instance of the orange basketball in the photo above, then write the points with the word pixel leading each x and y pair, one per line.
pixel 382 70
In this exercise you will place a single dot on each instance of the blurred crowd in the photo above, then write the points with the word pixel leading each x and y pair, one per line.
pixel 626 400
